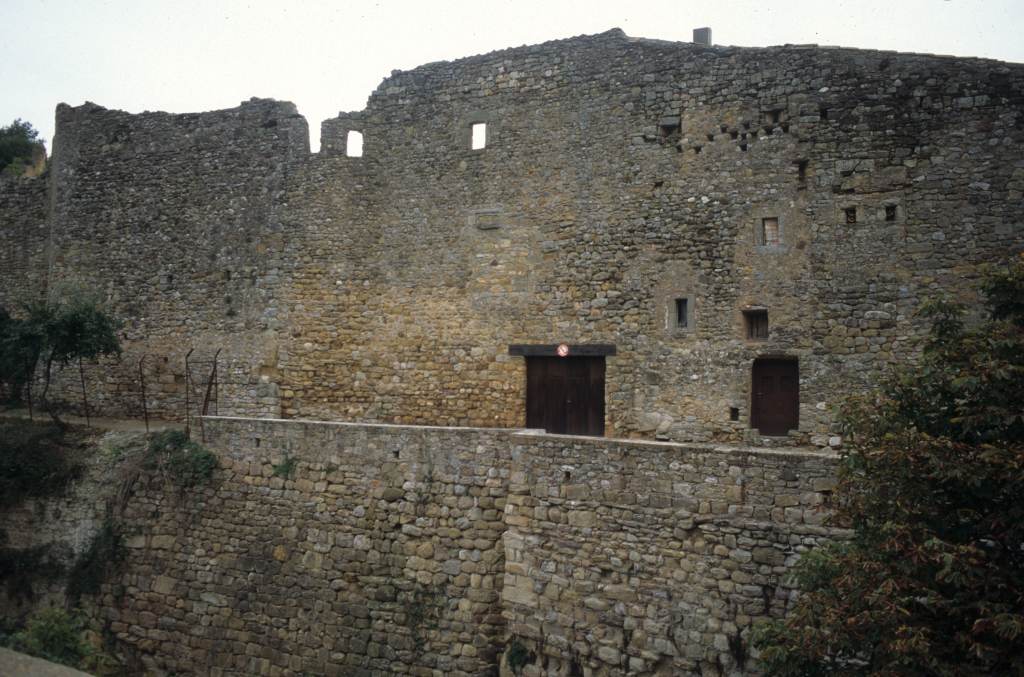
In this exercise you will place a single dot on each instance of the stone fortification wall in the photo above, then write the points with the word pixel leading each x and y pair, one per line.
pixel 642 558
pixel 408 550
pixel 172 220
pixel 24 232
pixel 619 175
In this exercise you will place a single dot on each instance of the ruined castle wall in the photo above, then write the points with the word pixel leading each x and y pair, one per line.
pixel 621 174
pixel 172 220
pixel 400 549
pixel 24 231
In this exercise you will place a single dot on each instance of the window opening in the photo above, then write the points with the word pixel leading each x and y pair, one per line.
pixel 851 214
pixel 354 144
pixel 801 171
pixel 734 413
pixel 890 212
pixel 756 320
pixel 682 313
pixel 479 135
pixel 768 232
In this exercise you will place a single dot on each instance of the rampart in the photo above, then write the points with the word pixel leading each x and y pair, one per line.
pixel 431 551
pixel 619 177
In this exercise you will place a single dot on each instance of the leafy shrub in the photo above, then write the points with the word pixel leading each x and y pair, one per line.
pixel 105 551
pixel 33 462
pixel 932 582
pixel 286 468
pixel 517 656
pixel 187 463
pixel 55 635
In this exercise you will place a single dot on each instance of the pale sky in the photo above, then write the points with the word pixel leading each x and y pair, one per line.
pixel 197 55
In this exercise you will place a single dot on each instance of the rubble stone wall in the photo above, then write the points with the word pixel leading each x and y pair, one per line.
pixel 25 231
pixel 619 175
pixel 171 220
pixel 351 549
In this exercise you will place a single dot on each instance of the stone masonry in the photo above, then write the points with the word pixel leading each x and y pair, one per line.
pixel 619 176
pixel 430 551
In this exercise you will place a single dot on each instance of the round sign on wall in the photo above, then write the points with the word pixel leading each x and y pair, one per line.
pixel 562 350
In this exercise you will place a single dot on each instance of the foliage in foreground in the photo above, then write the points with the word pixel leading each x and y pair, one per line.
pixel 34 462
pixel 55 332
pixel 53 634
pixel 932 582
pixel 186 463
pixel 59 636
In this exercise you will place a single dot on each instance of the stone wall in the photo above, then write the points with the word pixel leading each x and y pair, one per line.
pixel 643 558
pixel 430 551
pixel 172 220
pixel 619 174
pixel 24 232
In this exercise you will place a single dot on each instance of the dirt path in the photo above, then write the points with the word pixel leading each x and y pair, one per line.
pixel 121 424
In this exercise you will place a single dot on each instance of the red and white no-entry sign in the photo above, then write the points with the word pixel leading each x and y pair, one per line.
pixel 562 350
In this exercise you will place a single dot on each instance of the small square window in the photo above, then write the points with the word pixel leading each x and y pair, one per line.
pixel 734 413
pixel 756 320
pixel 851 214
pixel 890 212
pixel 682 313
pixel 768 232
pixel 479 140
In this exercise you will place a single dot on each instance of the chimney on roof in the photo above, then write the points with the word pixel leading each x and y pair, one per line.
pixel 702 36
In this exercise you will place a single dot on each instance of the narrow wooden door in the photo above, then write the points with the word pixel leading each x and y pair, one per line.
pixel 775 396
pixel 565 394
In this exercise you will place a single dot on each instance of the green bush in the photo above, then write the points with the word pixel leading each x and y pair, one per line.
pixel 286 468
pixel 187 463
pixel 55 635
pixel 932 484
pixel 33 462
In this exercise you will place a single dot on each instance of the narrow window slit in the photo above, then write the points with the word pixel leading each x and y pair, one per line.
pixel 682 313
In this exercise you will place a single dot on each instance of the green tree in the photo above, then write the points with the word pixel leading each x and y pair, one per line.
pixel 59 332
pixel 932 582
pixel 19 142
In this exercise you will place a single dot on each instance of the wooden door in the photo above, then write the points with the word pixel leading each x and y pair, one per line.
pixel 775 396
pixel 565 394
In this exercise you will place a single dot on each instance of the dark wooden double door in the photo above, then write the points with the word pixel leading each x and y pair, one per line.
pixel 775 396
pixel 565 394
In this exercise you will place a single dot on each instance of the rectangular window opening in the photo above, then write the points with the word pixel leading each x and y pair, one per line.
pixel 756 320
pixel 801 171
pixel 354 144
pixel 890 212
pixel 479 136
pixel 734 413
pixel 851 214
pixel 768 232
pixel 682 313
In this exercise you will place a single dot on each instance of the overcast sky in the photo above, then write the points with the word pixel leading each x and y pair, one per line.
pixel 197 55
